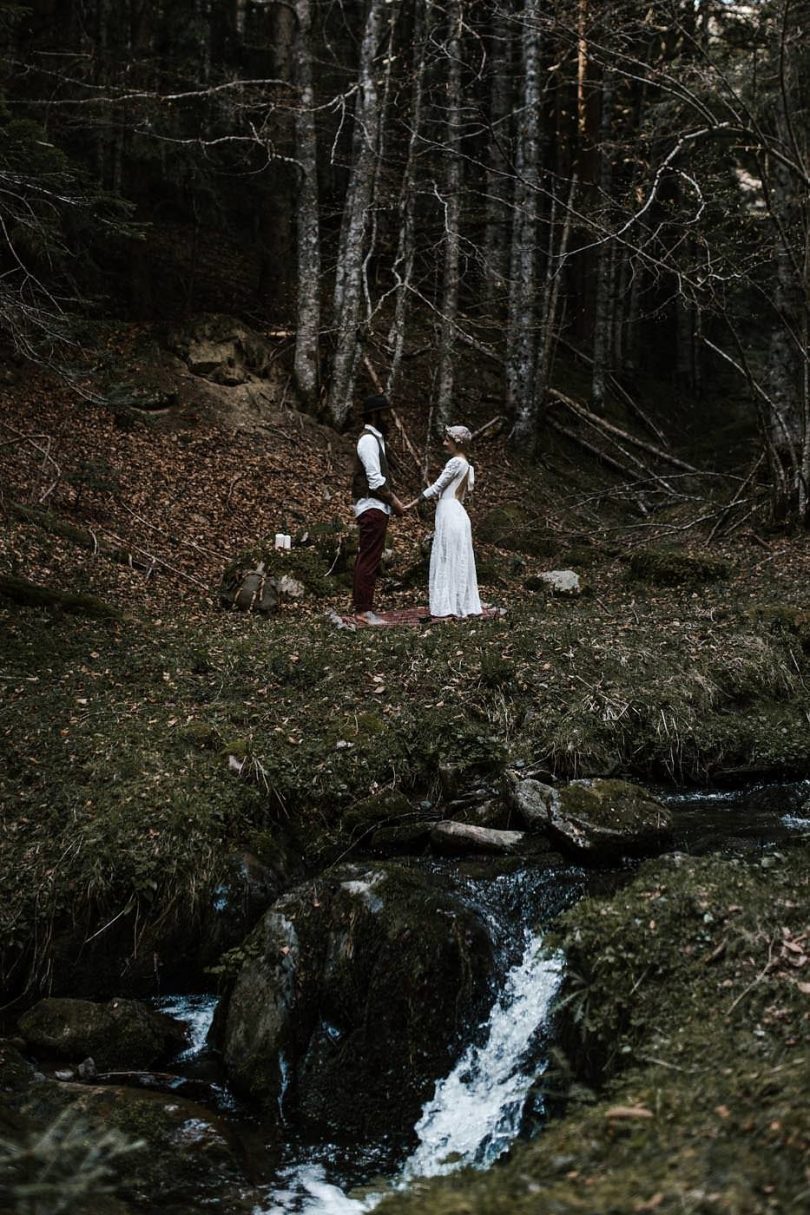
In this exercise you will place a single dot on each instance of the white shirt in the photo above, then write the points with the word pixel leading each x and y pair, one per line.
pixel 369 454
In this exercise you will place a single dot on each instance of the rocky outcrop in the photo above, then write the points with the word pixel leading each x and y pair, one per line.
pixel 120 1034
pixel 556 582
pixel 599 820
pixel 353 997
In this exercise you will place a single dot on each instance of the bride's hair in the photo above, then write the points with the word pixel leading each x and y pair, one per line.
pixel 461 435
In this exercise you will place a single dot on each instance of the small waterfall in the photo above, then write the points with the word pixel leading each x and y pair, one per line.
pixel 197 1011
pixel 475 1112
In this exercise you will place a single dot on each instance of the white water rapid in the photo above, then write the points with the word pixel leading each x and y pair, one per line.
pixel 475 1112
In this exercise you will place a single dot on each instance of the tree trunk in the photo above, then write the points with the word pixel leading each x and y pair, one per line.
pixel 452 217
pixel 403 263
pixel 496 232
pixel 603 304
pixel 521 400
pixel 349 272
pixel 308 320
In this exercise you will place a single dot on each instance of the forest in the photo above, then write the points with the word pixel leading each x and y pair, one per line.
pixel 502 182
pixel 504 914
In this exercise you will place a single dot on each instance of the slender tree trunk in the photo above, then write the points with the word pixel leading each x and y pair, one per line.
pixel 603 304
pixel 496 232
pixel 521 401
pixel 308 320
pixel 452 218
pixel 349 272
pixel 403 263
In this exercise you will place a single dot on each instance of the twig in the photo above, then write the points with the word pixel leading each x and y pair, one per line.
pixel 753 982
pixel 207 552
pixel 594 451
pixel 159 561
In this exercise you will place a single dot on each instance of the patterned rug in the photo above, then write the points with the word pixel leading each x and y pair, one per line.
pixel 412 617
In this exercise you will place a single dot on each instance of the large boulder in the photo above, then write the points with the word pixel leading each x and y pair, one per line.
pixel 354 997
pixel 119 1034
pixel 595 819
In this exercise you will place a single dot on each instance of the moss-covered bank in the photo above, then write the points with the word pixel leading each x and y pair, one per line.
pixel 141 757
pixel 686 1016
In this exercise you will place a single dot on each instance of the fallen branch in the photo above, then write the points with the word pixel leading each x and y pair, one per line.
pixel 589 447
pixel 620 391
pixel 51 523
pixel 488 425
pixel 609 428
pixel 206 552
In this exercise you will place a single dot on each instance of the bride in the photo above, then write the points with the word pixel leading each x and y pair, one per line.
pixel 453 583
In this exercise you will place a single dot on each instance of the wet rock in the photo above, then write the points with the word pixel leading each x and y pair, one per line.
pixel 120 1034
pixel 354 996
pixel 452 837
pixel 606 819
pixel 531 799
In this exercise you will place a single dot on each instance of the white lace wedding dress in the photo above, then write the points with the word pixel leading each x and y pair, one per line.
pixel 453 584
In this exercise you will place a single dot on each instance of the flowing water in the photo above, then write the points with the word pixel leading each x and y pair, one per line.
pixel 476 1112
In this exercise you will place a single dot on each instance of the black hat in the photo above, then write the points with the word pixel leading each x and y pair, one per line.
pixel 375 404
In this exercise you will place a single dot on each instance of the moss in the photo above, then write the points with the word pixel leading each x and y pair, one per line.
pixel 199 734
pixel 677 567
pixel 782 619
pixel 30 594
pixel 683 1008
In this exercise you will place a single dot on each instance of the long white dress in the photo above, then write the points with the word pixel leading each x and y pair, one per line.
pixel 453 584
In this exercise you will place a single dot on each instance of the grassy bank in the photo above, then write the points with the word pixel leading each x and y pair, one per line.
pixel 122 740
pixel 687 1062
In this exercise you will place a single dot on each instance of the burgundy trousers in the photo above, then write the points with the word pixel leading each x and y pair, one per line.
pixel 373 525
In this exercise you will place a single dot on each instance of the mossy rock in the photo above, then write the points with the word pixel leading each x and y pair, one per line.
pixel 783 619
pixel 379 810
pixel 363 982
pixel 31 594
pixel 304 565
pixel 200 735
pixel 120 1034
pixel 677 567
pixel 605 819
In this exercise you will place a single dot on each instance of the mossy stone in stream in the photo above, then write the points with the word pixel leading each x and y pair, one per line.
pixel 363 982
pixel 121 1033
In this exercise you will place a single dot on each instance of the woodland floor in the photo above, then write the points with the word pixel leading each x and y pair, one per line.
pixel 145 750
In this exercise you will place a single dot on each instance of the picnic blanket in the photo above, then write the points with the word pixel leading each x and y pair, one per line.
pixel 410 617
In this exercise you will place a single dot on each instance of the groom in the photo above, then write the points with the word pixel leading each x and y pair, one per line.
pixel 374 503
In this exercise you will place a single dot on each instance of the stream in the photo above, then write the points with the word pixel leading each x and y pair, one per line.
pixel 492 1095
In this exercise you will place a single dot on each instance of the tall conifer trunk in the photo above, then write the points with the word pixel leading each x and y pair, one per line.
pixel 452 218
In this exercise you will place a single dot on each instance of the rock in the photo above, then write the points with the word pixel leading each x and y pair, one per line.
pixel 449 836
pixel 354 998
pixel 675 567
pixel 532 800
pixel 221 349
pixel 559 582
pixel 120 1034
pixel 607 819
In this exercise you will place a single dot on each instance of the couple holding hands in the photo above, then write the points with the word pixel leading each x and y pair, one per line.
pixel 453 586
